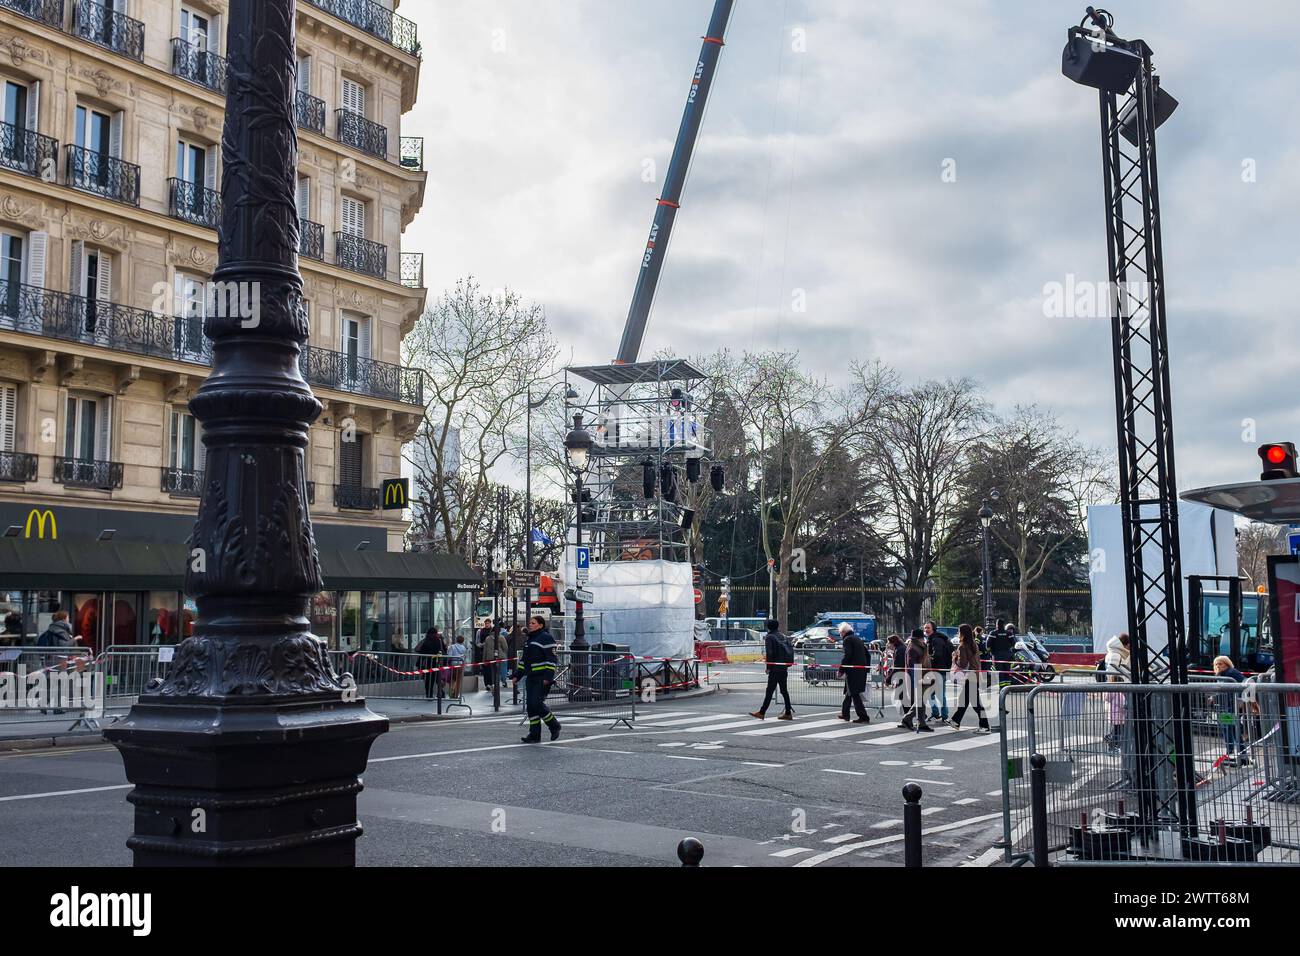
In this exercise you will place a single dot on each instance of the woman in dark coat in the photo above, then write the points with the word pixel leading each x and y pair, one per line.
pixel 966 672
pixel 433 645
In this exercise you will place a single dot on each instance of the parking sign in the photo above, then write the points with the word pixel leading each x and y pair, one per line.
pixel 582 562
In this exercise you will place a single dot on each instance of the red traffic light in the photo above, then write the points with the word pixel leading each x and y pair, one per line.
pixel 1279 460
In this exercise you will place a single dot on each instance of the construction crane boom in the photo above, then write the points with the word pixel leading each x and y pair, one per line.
pixel 652 262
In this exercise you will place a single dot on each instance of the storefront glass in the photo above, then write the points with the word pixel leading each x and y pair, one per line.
pixel 444 615
pixel 465 616
pixel 86 620
pixel 421 616
pixel 399 632
pixel 324 611
pixel 349 621
pixel 126 618
pixel 373 614
pixel 163 623
pixel 11 618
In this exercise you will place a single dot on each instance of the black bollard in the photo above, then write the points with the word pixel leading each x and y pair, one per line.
pixel 1038 807
pixel 496 688
pixel 690 851
pixel 912 825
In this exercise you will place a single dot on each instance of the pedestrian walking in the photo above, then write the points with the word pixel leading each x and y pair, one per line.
pixel 432 645
pixel 537 667
pixel 941 662
pixel 917 660
pixel 1228 713
pixel 1002 645
pixel 59 633
pixel 780 656
pixel 853 668
pixel 496 649
pixel 966 678
pixel 456 660
pixel 1117 671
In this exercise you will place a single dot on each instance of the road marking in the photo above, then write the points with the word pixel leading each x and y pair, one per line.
pixel 931 811
pixel 690 720
pixel 682 757
pixel 886 824
pixel 65 793
pixel 851 773
pixel 630 753
pixel 881 841
pixel 843 838
pixel 787 727
pixel 904 738
pixel 755 763
pixel 727 726
pixel 793 851
pixel 847 732
pixel 993 793
pixel 987 858
pixel 941 783
pixel 965 802
pixel 987 740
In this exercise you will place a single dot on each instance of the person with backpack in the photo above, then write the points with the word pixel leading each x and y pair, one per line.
pixel 780 657
pixel 941 661
pixel 59 633
pixel 918 662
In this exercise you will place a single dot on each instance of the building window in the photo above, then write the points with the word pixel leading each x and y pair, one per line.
pixel 87 428
pixel 91 277
pixel 8 417
pixel 352 457
pixel 190 309
pixel 304 197
pixel 354 97
pixel 353 215
pixel 19 117
pixel 304 73
pixel 186 450
pixel 197 31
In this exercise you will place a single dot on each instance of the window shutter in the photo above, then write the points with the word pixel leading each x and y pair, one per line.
pixel 38 244
pixel 354 217
pixel 178 292
pixel 77 268
pixel 104 287
pixel 210 168
pixel 363 338
pixel 104 445
pixel 304 197
pixel 354 97
pixel 350 460
pixel 215 36
pixel 304 74
pixel 8 415
pixel 34 106
pixel 115 136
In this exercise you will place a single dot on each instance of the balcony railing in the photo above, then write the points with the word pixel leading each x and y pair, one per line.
pixel 74 318
pixel 311 240
pixel 103 175
pixel 183 482
pixel 375 20
pixel 197 65
pixel 413 270
pixel 309 112
pixel 28 152
pixel 360 133
pixel 356 498
pixel 17 466
pixel 360 255
pixel 87 473
pixel 366 376
pixel 194 203
pixel 49 12
pixel 97 23
pixel 412 152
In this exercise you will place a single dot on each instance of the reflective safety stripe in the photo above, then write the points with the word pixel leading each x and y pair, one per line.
pixel 549 718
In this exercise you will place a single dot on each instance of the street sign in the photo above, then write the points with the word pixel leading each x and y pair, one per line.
pixel 517 578
pixel 699 596
pixel 397 493
pixel 1293 539
pixel 586 597
pixel 582 563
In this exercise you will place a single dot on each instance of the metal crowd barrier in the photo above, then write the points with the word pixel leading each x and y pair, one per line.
pixel 405 676
pixel 50 683
pixel 667 674
pixel 1100 800
pixel 596 684
pixel 128 670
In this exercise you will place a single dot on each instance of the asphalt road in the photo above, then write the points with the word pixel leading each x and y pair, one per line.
pixel 466 792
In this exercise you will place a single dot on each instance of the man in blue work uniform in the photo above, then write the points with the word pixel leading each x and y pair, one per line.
pixel 537 665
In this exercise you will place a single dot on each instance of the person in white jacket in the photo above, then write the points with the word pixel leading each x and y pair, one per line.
pixel 1117 670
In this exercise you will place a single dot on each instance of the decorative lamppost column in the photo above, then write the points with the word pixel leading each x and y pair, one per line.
pixel 577 448
pixel 250 752
pixel 986 570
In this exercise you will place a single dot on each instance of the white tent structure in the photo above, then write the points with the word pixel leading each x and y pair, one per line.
pixel 649 606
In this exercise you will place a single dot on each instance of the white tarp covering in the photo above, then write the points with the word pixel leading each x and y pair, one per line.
pixel 647 605
pixel 1207 545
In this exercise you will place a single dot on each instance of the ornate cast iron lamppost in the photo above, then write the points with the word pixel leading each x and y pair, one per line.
pixel 250 751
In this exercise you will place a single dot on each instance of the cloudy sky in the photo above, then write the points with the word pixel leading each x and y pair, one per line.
pixel 820 174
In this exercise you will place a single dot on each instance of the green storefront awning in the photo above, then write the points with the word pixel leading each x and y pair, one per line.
pixel 87 565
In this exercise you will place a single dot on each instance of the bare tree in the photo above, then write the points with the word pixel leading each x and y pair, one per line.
pixel 917 447
pixel 480 354
pixel 796 429
pixel 1255 542
pixel 1045 479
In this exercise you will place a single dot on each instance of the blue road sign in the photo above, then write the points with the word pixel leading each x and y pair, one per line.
pixel 583 558
pixel 1293 541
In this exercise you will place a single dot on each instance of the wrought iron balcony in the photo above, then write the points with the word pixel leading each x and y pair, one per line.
pixel 309 112
pixel 413 270
pixel 49 12
pixel 360 255
pixel 356 498
pixel 349 373
pixel 28 152
pixel 194 203
pixel 375 20
pixel 87 473
pixel 412 152
pixel 311 240
pixel 74 318
pixel 356 131
pixel 183 482
pixel 116 31
pixel 17 466
pixel 197 65
pixel 103 175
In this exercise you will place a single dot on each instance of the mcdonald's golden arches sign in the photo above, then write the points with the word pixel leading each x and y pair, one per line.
pixel 397 493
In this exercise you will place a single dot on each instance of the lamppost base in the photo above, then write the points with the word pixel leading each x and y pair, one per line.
pixel 263 781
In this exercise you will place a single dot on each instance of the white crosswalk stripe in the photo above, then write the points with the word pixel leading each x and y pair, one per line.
pixel 971 743
pixel 730 725
pixel 678 721
pixel 843 838
pixel 789 726
pixel 907 736
pixel 846 732
pixel 655 715
pixel 793 851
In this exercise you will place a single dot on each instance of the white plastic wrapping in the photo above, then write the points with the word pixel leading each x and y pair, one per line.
pixel 647 605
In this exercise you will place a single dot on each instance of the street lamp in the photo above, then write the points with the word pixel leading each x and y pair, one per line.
pixel 252 732
pixel 570 395
pixel 986 567
pixel 577 449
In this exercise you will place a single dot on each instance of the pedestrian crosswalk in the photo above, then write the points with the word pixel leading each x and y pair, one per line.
pixel 822 727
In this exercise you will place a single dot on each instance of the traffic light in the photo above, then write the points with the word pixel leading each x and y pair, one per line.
pixel 1279 461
